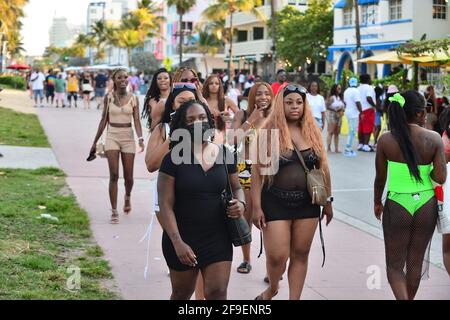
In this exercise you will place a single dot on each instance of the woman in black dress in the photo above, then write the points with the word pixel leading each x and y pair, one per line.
pixel 282 207
pixel 190 182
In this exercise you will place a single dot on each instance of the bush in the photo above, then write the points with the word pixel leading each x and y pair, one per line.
pixel 15 82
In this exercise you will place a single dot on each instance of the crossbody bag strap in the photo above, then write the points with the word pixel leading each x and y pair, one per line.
pixel 300 157
pixel 322 242
pixel 226 170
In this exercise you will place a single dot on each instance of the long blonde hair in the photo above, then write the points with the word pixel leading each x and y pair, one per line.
pixel 179 73
pixel 308 129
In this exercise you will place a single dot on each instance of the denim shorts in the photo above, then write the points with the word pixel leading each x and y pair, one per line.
pixel 38 93
pixel 319 122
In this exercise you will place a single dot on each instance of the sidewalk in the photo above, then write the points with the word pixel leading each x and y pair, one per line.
pixel 27 157
pixel 350 252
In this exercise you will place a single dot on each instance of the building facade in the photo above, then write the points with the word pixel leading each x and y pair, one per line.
pixel 252 46
pixel 384 25
pixel 59 34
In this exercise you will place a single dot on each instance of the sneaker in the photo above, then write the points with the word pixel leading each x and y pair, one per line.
pixel 366 148
pixel 360 147
pixel 350 153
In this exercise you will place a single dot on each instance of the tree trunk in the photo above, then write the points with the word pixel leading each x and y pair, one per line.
pixel 358 35
pixel 416 75
pixel 181 39
pixel 274 59
pixel 230 52
pixel 1 53
pixel 129 57
pixel 206 65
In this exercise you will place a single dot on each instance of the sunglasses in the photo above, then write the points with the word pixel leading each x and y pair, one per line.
pixel 187 85
pixel 295 88
pixel 193 80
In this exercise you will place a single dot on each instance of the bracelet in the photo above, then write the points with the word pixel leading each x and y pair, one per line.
pixel 243 202
pixel 250 124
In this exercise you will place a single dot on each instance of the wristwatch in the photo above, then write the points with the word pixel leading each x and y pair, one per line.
pixel 330 199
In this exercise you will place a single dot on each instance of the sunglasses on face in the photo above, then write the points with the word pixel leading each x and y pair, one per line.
pixel 193 80
pixel 295 88
pixel 181 85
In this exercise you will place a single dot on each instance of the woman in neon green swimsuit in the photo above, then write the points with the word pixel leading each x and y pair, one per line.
pixel 412 156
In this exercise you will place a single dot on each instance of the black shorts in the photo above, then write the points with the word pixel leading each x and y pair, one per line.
pixel 71 95
pixel 50 92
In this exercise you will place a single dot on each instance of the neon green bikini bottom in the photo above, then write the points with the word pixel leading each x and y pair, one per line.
pixel 405 190
pixel 411 202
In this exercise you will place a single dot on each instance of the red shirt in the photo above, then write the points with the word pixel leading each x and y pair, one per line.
pixel 276 87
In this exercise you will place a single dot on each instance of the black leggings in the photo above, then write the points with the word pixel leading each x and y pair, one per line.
pixel 407 238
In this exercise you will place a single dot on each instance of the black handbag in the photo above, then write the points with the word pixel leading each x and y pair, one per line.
pixel 238 229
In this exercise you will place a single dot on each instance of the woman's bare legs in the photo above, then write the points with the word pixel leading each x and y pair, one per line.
pixel 128 168
pixel 183 284
pixel 302 235
pixel 113 163
pixel 216 277
pixel 446 251
pixel 248 218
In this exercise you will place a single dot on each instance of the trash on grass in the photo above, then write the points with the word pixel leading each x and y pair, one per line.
pixel 47 216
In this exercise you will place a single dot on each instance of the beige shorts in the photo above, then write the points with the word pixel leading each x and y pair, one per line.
pixel 121 139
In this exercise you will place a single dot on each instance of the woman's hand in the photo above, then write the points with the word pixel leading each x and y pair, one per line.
pixel 328 212
pixel 259 220
pixel 185 254
pixel 236 209
pixel 378 209
pixel 141 145
pixel 256 115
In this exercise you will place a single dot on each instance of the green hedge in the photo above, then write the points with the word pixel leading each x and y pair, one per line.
pixel 13 82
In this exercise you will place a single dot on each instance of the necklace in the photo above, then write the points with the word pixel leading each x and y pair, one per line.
pixel 119 100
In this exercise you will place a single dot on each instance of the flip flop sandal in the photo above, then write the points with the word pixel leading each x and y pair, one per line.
pixel 266 279
pixel 244 267
pixel 114 217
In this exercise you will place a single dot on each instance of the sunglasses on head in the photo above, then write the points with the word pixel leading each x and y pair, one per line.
pixel 290 88
pixel 187 85
pixel 193 80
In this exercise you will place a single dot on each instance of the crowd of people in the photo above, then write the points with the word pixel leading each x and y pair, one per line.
pixel 64 89
pixel 202 137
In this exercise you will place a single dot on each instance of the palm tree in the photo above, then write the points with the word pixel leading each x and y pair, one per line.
pixel 137 26
pixel 208 43
pixel 223 8
pixel 183 6
pixel 354 5
pixel 15 46
pixel 11 12
pixel 99 34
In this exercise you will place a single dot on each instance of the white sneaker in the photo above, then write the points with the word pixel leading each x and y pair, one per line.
pixel 366 148
pixel 360 147
pixel 350 153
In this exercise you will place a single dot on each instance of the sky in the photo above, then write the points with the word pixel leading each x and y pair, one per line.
pixel 38 19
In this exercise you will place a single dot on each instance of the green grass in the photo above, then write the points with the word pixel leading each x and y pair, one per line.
pixel 11 87
pixel 20 129
pixel 35 254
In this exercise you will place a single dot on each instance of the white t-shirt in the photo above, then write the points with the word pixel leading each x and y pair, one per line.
pixel 366 90
pixel 351 96
pixel 233 94
pixel 241 78
pixel 37 80
pixel 317 104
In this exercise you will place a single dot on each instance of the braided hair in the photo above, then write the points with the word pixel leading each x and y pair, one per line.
pixel 179 119
pixel 153 93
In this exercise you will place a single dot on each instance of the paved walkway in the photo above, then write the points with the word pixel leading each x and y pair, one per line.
pixel 352 255
pixel 27 157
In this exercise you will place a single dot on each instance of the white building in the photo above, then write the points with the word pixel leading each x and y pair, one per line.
pixel 252 47
pixel 60 35
pixel 111 12
pixel 385 24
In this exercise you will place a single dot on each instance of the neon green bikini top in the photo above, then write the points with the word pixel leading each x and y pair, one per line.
pixel 401 180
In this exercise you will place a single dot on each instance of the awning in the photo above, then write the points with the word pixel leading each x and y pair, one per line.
pixel 366 46
pixel 242 58
pixel 342 3
pixel 439 59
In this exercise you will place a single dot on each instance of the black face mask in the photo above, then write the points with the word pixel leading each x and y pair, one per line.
pixel 197 127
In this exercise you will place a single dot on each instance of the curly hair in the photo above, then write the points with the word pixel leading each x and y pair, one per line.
pixel 153 93
pixel 179 119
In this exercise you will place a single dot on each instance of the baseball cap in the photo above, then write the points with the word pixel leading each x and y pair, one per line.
pixel 353 82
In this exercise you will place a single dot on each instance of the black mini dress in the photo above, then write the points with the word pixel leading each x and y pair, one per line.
pixel 199 212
